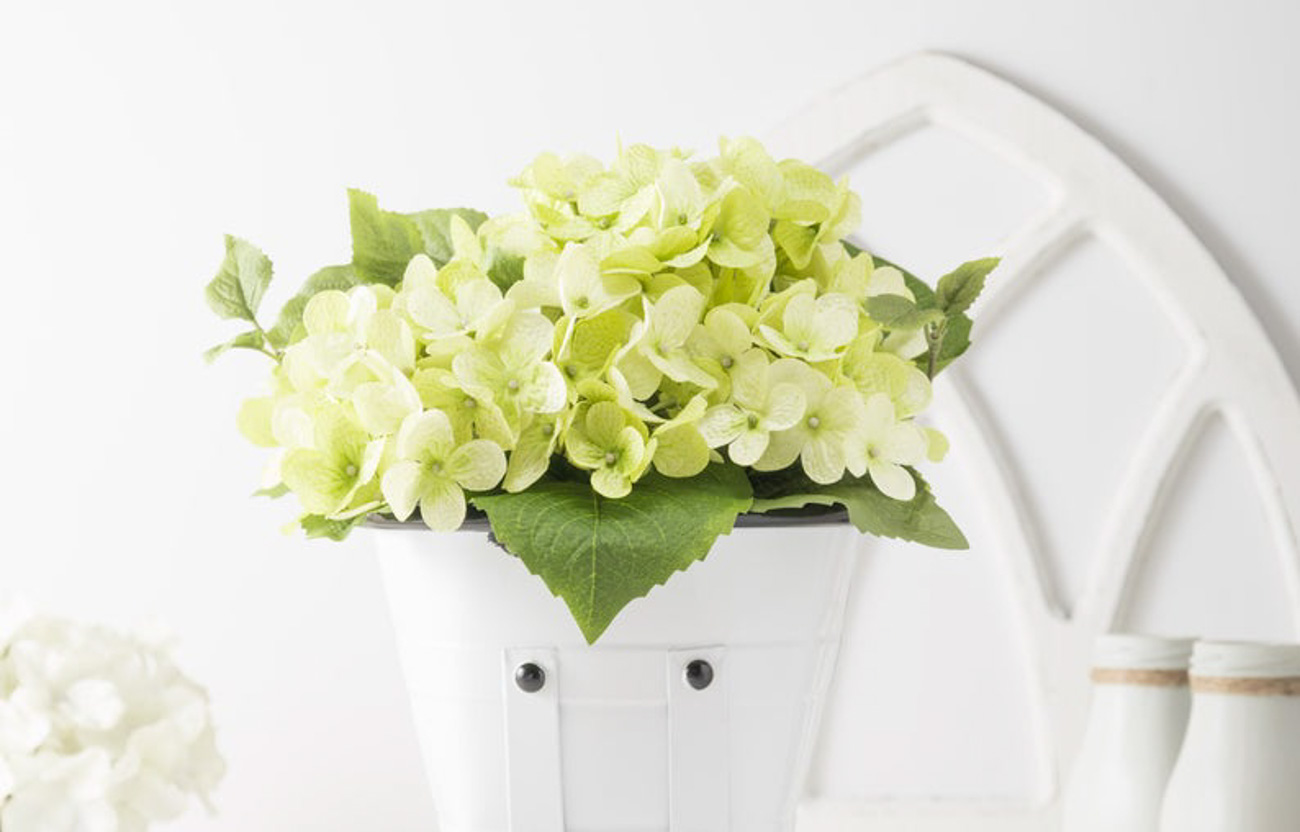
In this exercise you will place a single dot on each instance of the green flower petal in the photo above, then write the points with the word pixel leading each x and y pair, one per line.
pixel 611 483
pixel 681 451
pixel 442 506
pixel 327 312
pixel 426 435
pixel 892 480
pixel 782 450
pixel 478 465
pixel 382 407
pixel 321 483
pixel 604 423
pixel 402 486
pixel 254 421
pixel 823 459
pixel 748 448
pixel 532 454
pixel 936 445
pixel 721 425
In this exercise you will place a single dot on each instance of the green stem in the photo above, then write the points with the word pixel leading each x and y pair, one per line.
pixel 275 355
pixel 934 335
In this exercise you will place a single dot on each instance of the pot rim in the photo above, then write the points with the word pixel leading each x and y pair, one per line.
pixel 476 521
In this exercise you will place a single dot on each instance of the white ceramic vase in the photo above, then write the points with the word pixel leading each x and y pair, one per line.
pixel 525 727
pixel 1136 720
pixel 1239 769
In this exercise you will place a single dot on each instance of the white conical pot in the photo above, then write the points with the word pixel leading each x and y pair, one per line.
pixel 621 735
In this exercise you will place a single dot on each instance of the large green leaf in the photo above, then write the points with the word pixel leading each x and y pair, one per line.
pixel 600 554
pixel 383 242
pixel 341 278
pixel 435 230
pixel 919 520
pixel 237 290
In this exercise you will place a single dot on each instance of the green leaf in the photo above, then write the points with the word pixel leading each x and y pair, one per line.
pixel 899 313
pixel 600 554
pixel 274 492
pixel 251 340
pixel 959 288
pixel 341 278
pixel 316 525
pixel 237 290
pixel 956 341
pixel 383 242
pixel 919 520
pixel 435 230
pixel 506 270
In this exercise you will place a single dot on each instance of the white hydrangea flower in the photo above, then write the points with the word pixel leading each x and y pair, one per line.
pixel 99 731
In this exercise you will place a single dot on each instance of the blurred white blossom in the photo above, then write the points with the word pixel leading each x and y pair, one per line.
pixel 99 731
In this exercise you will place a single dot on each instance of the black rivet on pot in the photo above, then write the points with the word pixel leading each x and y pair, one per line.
pixel 530 678
pixel 699 674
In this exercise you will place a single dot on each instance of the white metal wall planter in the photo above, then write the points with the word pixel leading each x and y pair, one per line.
pixel 1229 369
pixel 695 712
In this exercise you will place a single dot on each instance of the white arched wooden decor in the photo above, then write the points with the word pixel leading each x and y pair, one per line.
pixel 1228 369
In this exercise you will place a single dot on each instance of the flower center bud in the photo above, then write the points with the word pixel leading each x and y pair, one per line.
pixel 727 361
pixel 513 384
pixel 470 403
pixel 752 421
pixel 548 430
pixel 814 422
pixel 582 303
pixel 682 219
pixel 802 346
pixel 435 467
pixel 610 458
pixel 351 470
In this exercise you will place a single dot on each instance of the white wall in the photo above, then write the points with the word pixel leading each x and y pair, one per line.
pixel 132 135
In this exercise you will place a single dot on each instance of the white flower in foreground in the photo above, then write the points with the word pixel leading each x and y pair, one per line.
pixel 99 732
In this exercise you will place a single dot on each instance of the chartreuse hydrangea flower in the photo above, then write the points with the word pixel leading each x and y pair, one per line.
pixel 614 448
pixel 457 301
pixel 888 445
pixel 669 323
pixel 725 335
pixel 823 439
pixel 433 471
pixel 813 328
pixel 336 476
pixel 756 409
pixel 680 448
pixel 661 319
pixel 585 289
pixel 510 370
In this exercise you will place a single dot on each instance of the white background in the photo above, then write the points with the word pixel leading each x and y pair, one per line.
pixel 133 135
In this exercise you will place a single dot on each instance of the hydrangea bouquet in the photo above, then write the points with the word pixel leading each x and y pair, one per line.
pixel 99 731
pixel 613 375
